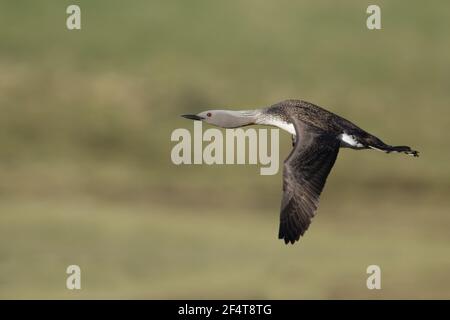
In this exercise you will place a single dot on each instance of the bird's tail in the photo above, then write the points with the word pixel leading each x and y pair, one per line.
pixel 373 142
pixel 404 149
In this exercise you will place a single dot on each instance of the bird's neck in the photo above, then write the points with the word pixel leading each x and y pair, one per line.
pixel 244 117
pixel 276 121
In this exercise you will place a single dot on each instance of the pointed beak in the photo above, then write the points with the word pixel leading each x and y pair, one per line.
pixel 192 117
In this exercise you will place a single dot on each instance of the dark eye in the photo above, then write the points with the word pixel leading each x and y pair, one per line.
pixel 208 114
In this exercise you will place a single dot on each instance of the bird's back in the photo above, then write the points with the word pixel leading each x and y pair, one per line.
pixel 314 115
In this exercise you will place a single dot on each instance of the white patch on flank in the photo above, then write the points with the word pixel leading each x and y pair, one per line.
pixel 289 127
pixel 350 140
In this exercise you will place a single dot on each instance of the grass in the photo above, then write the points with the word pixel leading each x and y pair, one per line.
pixel 152 251
pixel 85 171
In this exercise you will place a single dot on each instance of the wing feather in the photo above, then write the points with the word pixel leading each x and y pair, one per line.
pixel 304 175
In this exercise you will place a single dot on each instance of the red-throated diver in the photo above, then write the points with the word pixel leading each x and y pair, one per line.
pixel 317 136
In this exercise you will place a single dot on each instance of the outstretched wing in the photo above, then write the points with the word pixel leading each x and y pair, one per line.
pixel 304 174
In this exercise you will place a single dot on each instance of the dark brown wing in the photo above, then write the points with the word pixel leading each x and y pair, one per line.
pixel 304 174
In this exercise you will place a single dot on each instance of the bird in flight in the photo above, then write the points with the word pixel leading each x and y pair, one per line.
pixel 317 136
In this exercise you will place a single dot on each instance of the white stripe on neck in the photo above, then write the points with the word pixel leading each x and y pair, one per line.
pixel 283 125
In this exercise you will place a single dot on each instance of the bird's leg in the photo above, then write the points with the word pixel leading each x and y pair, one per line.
pixel 293 140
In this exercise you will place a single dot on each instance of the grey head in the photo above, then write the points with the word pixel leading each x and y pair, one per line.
pixel 225 118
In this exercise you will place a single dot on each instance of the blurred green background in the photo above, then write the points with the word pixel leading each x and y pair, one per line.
pixel 85 170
